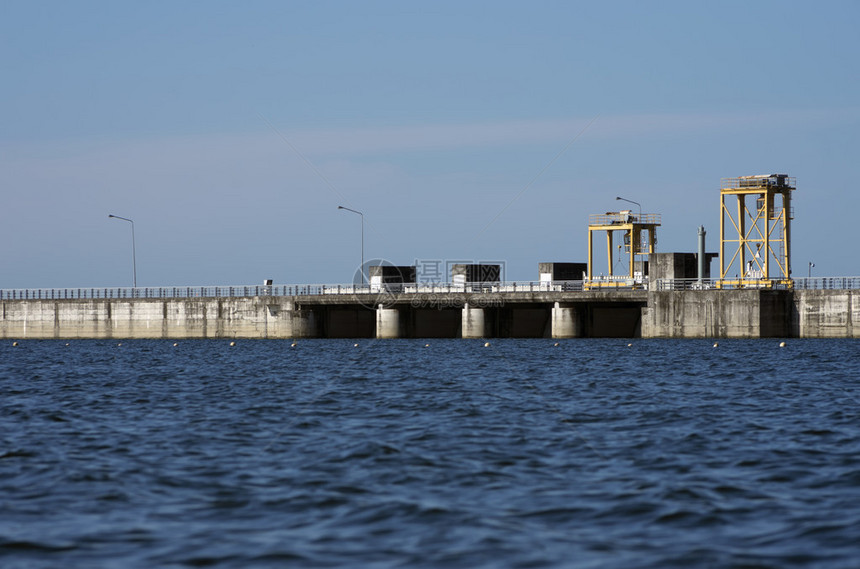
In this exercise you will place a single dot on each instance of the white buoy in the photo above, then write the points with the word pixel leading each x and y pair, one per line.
pixel 14 344
pixel 293 345
pixel 355 345
pixel 486 344
pixel 782 344
pixel 716 344
pixel 628 345
pixel 556 344
pixel 232 343
pixel 426 345
pixel 118 345
pixel 175 344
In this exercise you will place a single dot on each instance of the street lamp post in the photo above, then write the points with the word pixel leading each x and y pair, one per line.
pixel 133 252
pixel 362 239
pixel 809 272
pixel 631 201
pixel 632 244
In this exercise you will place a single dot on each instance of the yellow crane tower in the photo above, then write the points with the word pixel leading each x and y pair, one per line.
pixel 755 242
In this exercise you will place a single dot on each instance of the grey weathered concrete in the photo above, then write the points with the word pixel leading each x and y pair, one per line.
pixel 566 321
pixel 717 314
pixel 389 323
pixel 531 313
pixel 826 314
pixel 241 317
pixel 473 323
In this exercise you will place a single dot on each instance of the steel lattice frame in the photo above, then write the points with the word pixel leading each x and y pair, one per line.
pixel 755 243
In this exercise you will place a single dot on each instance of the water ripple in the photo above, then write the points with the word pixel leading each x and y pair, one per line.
pixel 591 454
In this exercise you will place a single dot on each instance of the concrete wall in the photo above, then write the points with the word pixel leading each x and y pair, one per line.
pixel 245 317
pixel 826 314
pixel 752 314
pixel 717 314
pixel 676 314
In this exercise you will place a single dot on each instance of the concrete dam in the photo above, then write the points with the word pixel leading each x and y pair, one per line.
pixel 536 310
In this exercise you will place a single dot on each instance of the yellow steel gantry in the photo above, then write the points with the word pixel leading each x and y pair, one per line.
pixel 755 245
pixel 640 238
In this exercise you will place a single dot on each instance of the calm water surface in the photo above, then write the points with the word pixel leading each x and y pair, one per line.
pixel 396 454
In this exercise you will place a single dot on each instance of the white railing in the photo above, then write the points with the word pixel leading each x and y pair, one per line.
pixel 805 283
pixel 620 218
pixel 284 290
pixel 616 283
pixel 760 181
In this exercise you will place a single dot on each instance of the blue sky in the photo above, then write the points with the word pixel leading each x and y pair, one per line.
pixel 230 132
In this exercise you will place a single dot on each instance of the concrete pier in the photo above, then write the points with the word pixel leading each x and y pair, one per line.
pixel 389 323
pixel 566 321
pixel 474 323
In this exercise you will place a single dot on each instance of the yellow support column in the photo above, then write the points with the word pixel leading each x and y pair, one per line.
pixel 768 208
pixel 634 243
pixel 590 256
pixel 722 234
pixel 609 250
pixel 786 232
pixel 742 235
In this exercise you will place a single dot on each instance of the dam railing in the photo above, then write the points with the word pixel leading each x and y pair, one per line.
pixel 805 283
pixel 285 290
pixel 815 283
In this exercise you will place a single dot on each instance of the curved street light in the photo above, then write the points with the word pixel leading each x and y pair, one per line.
pixel 634 245
pixel 133 253
pixel 631 201
pixel 362 239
